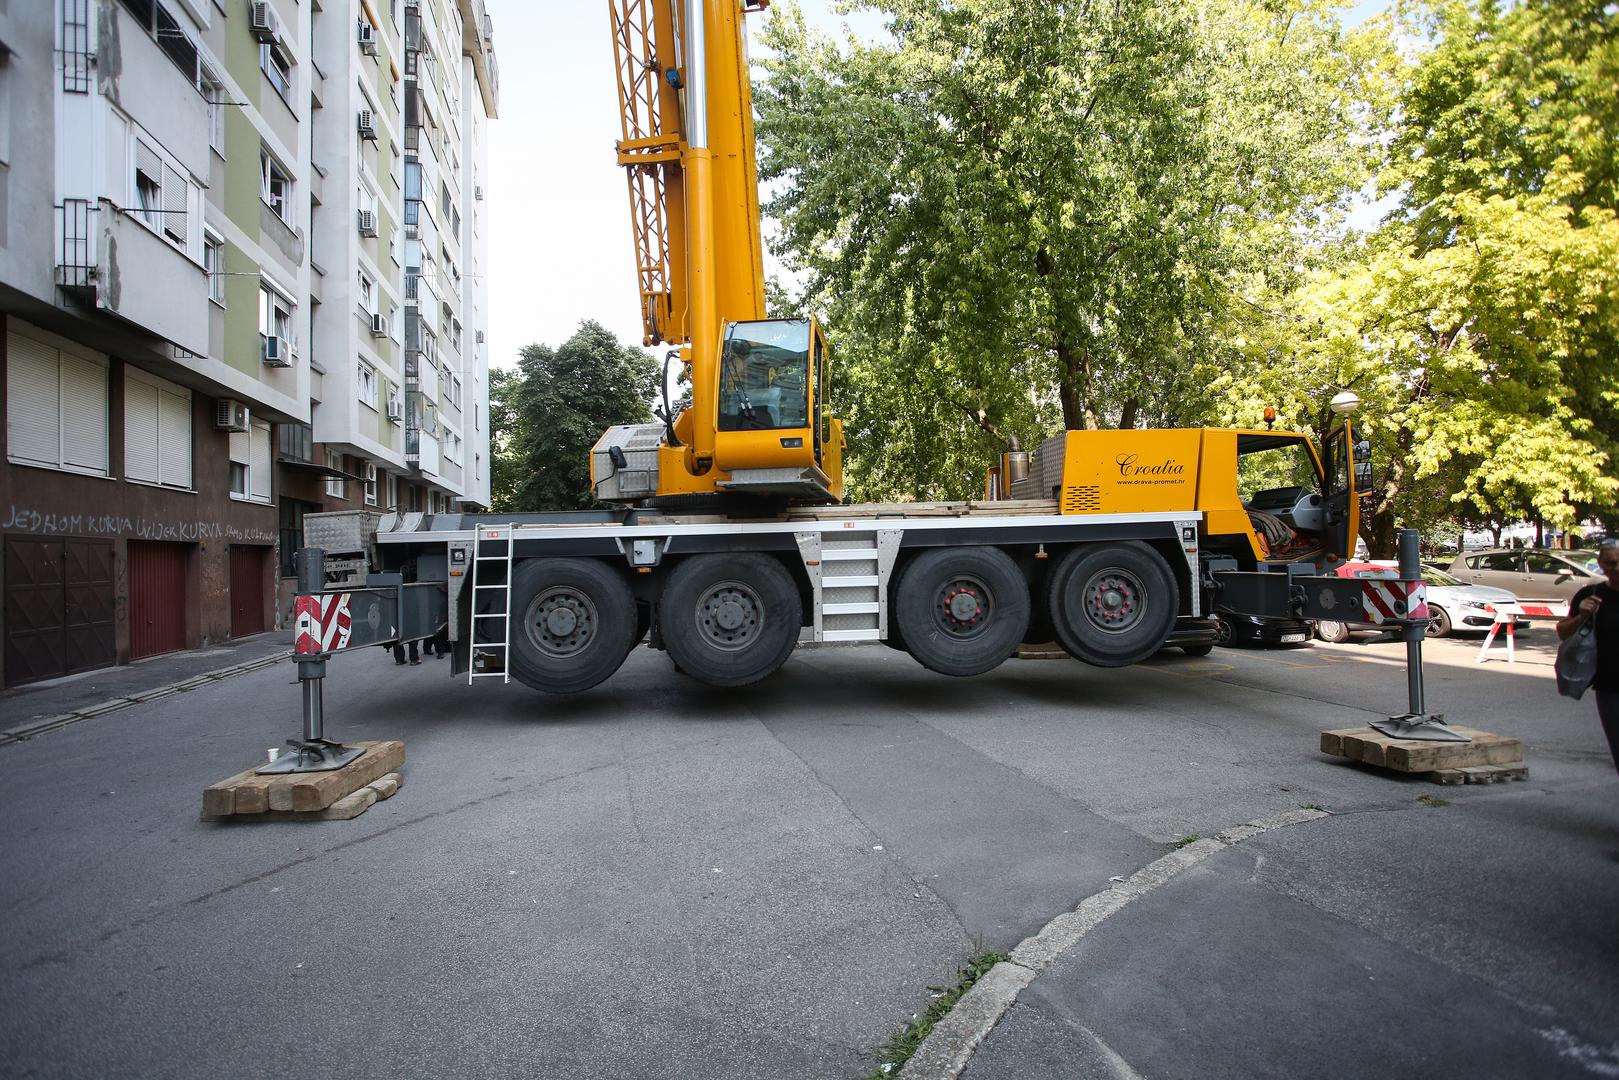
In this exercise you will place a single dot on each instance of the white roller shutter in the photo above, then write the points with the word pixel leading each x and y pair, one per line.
pixel 84 414
pixel 174 438
pixel 33 431
pixel 176 194
pixel 140 431
pixel 261 468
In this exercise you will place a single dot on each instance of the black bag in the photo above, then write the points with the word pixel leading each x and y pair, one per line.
pixel 1577 660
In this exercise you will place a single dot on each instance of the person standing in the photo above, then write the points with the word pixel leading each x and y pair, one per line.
pixel 1600 603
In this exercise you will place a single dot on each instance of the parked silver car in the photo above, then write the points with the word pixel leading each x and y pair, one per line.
pixel 1531 573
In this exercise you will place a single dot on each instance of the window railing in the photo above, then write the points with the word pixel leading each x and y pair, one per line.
pixel 75 256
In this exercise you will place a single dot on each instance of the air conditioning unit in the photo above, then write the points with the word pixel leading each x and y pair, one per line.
pixel 396 410
pixel 477 192
pixel 275 351
pixel 480 337
pixel 230 415
pixel 379 325
pixel 266 27
pixel 367 36
pixel 368 223
pixel 368 125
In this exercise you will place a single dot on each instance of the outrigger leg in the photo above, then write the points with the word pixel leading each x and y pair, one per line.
pixel 1418 723
pixel 314 752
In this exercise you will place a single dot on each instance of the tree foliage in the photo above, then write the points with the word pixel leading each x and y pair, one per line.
pixel 1021 217
pixel 547 413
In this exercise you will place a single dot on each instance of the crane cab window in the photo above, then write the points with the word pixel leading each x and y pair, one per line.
pixel 765 375
pixel 1273 471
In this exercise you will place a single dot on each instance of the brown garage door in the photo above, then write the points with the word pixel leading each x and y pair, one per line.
pixel 246 590
pixel 59 607
pixel 157 597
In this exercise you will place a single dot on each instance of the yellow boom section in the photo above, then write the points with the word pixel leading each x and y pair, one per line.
pixel 687 148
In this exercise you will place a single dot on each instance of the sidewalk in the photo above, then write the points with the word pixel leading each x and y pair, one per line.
pixel 44 706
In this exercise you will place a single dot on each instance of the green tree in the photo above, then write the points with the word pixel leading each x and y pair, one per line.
pixel 1472 358
pixel 1020 217
pixel 554 407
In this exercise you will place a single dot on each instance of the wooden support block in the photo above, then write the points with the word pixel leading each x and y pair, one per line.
pixel 1044 651
pixel 249 793
pixel 385 786
pixel 351 806
pixel 1483 774
pixel 1371 747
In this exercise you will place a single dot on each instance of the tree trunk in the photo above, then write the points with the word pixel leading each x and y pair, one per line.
pixel 1128 414
pixel 1068 389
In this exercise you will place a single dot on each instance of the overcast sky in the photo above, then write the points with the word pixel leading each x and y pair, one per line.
pixel 560 241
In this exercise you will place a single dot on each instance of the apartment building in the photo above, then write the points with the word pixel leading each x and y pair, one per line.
pixel 202 310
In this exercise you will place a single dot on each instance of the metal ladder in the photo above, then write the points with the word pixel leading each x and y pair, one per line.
pixel 480 588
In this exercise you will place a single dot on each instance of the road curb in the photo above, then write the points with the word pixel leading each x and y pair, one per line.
pixel 951 1044
pixel 43 724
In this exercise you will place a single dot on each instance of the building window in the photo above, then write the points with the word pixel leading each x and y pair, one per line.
pixel 367 385
pixel 275 186
pixel 393 492
pixel 336 487
pixel 367 294
pixel 277 67
pixel 275 316
pixel 213 261
pixel 56 407
pixel 148 184
pixel 213 90
pixel 157 430
pixel 370 484
pixel 250 463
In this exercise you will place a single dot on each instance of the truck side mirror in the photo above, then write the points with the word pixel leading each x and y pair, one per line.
pixel 1363 476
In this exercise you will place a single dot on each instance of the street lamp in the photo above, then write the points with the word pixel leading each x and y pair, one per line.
pixel 1345 403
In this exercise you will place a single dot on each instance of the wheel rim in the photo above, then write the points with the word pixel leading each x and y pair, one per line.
pixel 729 616
pixel 1223 632
pixel 1114 600
pixel 561 621
pixel 1330 629
pixel 1436 625
pixel 962 607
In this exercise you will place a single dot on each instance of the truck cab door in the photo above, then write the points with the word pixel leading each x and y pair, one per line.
pixel 1348 467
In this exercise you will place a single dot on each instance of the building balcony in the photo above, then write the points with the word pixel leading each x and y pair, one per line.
pixel 131 270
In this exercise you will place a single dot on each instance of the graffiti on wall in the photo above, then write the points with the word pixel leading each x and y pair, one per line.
pixel 24 520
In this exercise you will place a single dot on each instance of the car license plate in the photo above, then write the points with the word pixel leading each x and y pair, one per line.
pixel 1294 639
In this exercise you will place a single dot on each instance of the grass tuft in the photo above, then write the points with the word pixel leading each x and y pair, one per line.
pixel 1433 802
pixel 898 1050
pixel 1185 840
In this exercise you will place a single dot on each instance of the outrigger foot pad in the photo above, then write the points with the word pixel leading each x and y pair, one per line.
pixel 1422 728
pixel 311 755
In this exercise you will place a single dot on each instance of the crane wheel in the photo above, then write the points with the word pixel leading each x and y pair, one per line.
pixel 1113 604
pixel 962 611
pixel 573 623
pixel 730 620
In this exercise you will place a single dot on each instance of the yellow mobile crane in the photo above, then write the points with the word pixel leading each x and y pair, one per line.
pixel 730 547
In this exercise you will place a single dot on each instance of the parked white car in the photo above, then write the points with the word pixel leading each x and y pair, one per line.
pixel 1454 604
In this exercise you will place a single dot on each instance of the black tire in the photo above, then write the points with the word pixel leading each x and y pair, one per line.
pixel 730 620
pixel 1113 605
pixel 1197 650
pixel 962 611
pixel 1438 622
pixel 1332 631
pixel 573 622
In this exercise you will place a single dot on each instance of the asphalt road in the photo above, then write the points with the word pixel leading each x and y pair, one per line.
pixel 657 879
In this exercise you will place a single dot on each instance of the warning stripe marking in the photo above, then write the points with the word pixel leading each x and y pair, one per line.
pixel 322 623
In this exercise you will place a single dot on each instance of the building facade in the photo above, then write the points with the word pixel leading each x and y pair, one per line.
pixel 203 307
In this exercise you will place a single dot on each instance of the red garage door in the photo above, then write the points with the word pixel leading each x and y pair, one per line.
pixel 157 597
pixel 246 590
pixel 58 607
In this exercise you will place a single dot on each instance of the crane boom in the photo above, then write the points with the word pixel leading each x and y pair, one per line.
pixel 759 422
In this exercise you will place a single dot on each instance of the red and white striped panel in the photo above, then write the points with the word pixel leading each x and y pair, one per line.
pixel 1387 600
pixel 1545 609
pixel 321 623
